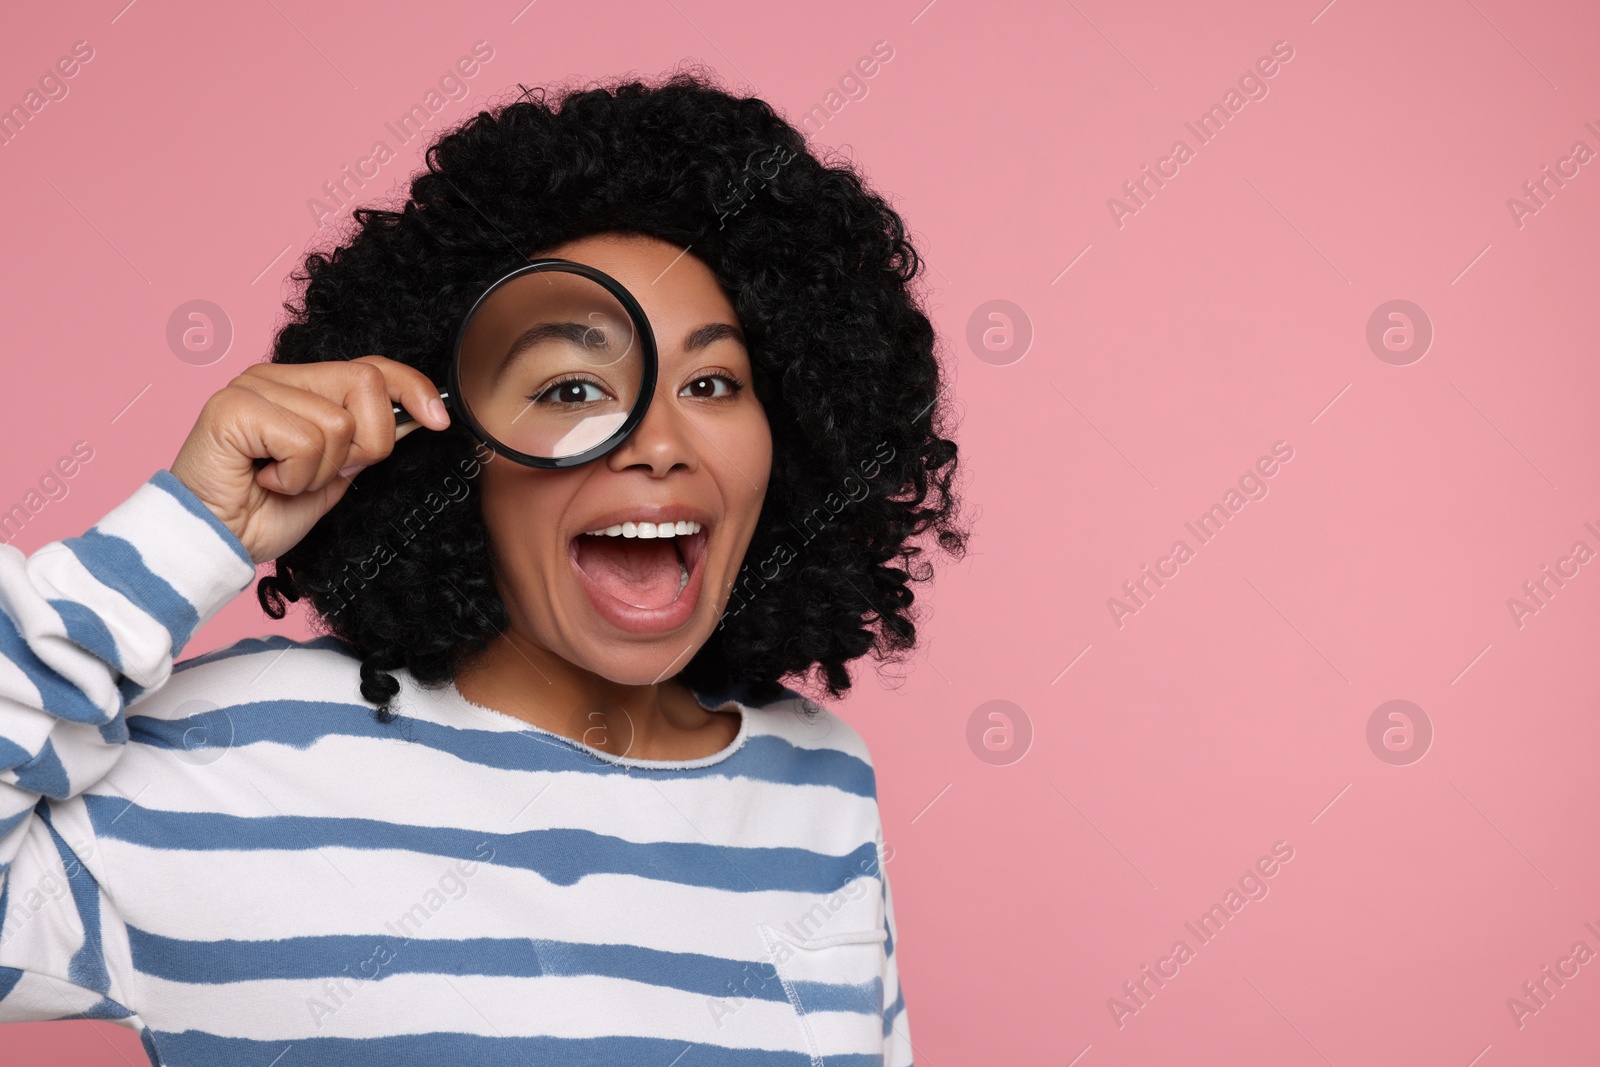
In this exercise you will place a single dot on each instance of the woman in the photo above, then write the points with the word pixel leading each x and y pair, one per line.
pixel 498 813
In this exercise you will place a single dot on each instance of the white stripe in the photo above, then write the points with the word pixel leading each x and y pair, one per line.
pixel 394 780
pixel 84 754
pixel 179 547
pixel 39 997
pixel 829 730
pixel 42 929
pixel 272 894
pixel 289 673
pixel 576 1007
pixel 22 721
pixel 53 572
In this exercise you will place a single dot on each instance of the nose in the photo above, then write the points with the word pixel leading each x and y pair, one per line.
pixel 662 442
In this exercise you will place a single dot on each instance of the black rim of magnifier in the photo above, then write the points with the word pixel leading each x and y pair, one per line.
pixel 647 384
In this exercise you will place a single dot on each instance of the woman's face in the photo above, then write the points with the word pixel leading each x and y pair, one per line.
pixel 703 454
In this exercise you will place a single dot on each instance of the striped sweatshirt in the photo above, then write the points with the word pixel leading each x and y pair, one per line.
pixel 231 856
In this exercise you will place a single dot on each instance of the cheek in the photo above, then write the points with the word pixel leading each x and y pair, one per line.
pixel 518 507
pixel 497 499
pixel 756 444
pixel 760 447
pixel 751 438
pixel 740 461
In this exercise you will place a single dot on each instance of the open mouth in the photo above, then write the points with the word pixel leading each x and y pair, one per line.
pixel 645 573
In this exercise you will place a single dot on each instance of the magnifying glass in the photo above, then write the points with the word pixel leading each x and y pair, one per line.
pixel 553 366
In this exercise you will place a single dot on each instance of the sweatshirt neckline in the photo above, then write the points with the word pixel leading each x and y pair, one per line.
pixel 511 724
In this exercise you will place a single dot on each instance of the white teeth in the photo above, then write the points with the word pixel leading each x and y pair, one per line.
pixel 682 528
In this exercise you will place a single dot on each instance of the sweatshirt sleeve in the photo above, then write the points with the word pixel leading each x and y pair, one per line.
pixel 897 1051
pixel 87 625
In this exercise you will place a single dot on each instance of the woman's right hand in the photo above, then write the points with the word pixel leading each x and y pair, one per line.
pixel 319 422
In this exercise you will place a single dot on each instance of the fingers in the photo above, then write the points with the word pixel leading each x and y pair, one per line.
pixel 411 389
pixel 351 405
pixel 308 436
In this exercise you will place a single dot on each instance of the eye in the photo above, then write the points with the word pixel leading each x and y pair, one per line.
pixel 569 391
pixel 704 389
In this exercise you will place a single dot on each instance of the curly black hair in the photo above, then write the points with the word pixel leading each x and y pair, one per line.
pixel 820 270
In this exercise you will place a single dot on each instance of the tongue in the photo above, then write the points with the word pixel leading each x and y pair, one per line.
pixel 643 572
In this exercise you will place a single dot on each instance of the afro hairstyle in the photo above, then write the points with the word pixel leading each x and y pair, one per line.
pixel 821 272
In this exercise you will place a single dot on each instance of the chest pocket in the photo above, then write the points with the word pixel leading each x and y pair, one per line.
pixel 832 972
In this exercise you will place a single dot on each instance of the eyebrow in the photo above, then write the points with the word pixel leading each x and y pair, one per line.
pixel 711 333
pixel 578 333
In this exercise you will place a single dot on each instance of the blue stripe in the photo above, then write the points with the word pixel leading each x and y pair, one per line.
pixel 166 480
pixel 12 755
pixel 733 690
pixel 117 564
pixel 115 732
pixel 302 723
pixel 251 645
pixel 560 855
pixel 130 690
pixel 104 1008
pixel 44 774
pixel 863 999
pixel 61 698
pixel 85 630
pixel 195 1048
pixel 9 977
pixel 5 902
pixel 372 957
pixel 87 967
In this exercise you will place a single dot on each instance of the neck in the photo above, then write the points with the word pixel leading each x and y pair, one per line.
pixel 656 721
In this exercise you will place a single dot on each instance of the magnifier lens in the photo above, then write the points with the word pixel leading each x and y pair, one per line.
pixel 550 364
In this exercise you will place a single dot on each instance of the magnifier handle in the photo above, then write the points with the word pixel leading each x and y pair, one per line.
pixel 402 416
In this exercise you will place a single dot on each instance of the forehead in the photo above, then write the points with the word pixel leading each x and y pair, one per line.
pixel 676 289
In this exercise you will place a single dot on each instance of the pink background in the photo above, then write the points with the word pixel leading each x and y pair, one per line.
pixel 1227 314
